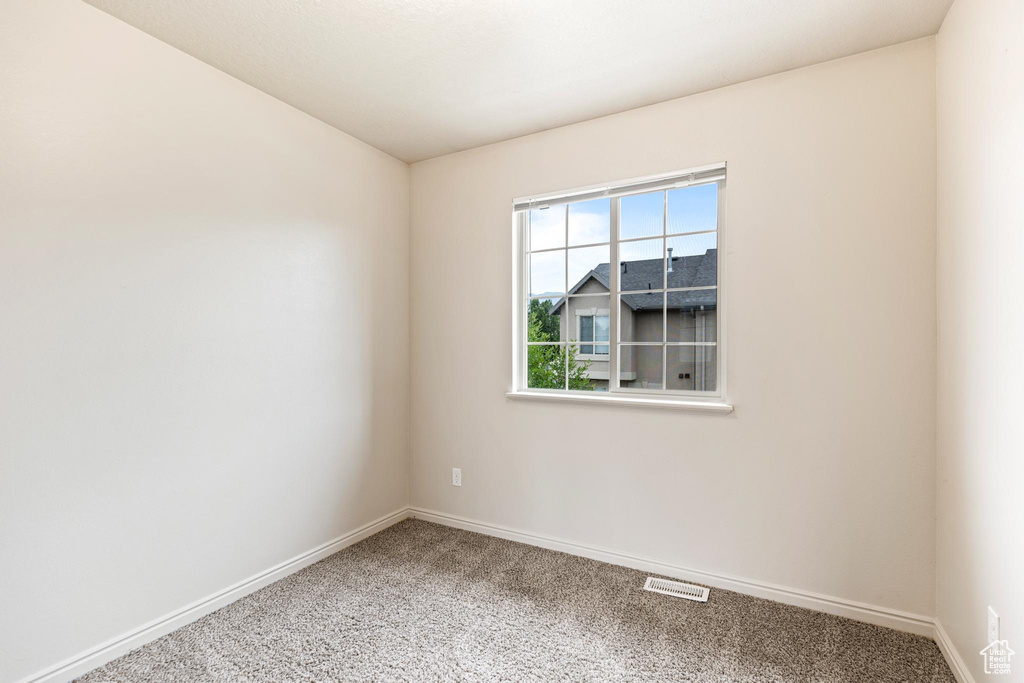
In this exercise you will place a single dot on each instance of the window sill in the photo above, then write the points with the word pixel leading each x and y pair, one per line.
pixel 608 399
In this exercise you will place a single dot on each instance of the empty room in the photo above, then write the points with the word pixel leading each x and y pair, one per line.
pixel 478 340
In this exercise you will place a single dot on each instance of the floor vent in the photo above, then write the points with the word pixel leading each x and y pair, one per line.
pixel 677 589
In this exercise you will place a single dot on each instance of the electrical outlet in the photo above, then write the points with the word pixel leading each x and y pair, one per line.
pixel 993 625
pixel 456 476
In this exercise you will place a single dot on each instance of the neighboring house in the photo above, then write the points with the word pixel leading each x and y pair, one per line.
pixel 690 317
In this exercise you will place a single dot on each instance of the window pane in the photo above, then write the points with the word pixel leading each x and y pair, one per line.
pixel 642 215
pixel 547 273
pixel 641 265
pixel 589 320
pixel 588 270
pixel 692 209
pixel 692 316
pixel 640 367
pixel 641 318
pixel 587 373
pixel 545 367
pixel 586 334
pixel 692 368
pixel 588 361
pixel 547 228
pixel 593 328
pixel 589 222
pixel 587 328
pixel 544 322
pixel 692 245
pixel 601 333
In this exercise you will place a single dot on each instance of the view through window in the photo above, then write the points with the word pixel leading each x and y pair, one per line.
pixel 651 323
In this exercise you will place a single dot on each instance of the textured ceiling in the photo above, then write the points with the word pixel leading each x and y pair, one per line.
pixel 422 78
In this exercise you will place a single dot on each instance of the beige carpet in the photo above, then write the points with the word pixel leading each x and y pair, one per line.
pixel 422 602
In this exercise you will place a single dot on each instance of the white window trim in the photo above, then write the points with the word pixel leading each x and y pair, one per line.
pixel 607 398
pixel 714 402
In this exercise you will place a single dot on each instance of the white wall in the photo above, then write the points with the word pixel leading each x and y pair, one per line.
pixel 980 556
pixel 823 477
pixel 203 331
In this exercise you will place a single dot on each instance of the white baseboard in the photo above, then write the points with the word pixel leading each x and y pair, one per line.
pixel 115 647
pixel 953 658
pixel 871 614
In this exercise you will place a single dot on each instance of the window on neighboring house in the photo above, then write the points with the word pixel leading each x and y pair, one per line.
pixel 593 328
pixel 651 324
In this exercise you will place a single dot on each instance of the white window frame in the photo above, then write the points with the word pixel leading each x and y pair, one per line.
pixel 709 401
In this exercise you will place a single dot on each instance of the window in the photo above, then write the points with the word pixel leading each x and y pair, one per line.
pixel 651 325
pixel 592 326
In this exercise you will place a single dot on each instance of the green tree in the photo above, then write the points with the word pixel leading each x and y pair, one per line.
pixel 546 365
pixel 543 325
